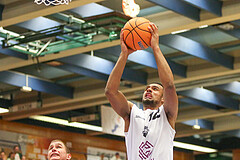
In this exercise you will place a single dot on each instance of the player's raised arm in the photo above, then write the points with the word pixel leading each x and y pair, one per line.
pixel 116 98
pixel 166 78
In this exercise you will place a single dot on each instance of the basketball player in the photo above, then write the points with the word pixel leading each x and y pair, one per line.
pixel 149 134
pixel 57 150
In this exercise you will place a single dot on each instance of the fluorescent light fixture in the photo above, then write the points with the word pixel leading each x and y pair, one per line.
pixel 26 89
pixel 203 26
pixel 194 147
pixel 25 49
pixel 196 126
pixel 20 48
pixel 10 33
pixel 180 31
pixel 3 110
pixel 66 123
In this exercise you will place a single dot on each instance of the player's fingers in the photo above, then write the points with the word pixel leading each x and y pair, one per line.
pixel 150 28
pixel 121 35
pixel 155 27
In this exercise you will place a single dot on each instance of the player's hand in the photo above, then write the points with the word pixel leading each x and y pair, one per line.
pixel 124 47
pixel 155 37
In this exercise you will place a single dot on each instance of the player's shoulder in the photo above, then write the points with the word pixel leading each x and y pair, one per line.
pixel 133 107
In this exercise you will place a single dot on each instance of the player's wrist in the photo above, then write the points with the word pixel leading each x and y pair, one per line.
pixel 155 47
pixel 124 54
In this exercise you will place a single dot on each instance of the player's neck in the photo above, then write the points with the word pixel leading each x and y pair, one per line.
pixel 145 107
pixel 150 107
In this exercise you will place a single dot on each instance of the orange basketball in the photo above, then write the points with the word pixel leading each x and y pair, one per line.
pixel 136 34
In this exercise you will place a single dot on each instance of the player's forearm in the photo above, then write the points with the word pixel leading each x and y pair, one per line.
pixel 116 74
pixel 164 71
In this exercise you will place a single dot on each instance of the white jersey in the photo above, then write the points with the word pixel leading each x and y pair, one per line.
pixel 150 136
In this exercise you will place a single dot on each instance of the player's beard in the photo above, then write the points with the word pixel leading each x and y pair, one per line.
pixel 149 103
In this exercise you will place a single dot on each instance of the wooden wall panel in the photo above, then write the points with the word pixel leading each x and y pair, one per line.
pixel 79 141
pixel 177 155
pixel 236 154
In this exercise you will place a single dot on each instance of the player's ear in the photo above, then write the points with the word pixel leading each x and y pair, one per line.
pixel 69 156
pixel 162 100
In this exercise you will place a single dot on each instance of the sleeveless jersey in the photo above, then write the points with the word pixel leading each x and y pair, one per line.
pixel 150 136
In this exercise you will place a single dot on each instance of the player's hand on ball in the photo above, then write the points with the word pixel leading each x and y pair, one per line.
pixel 124 47
pixel 155 37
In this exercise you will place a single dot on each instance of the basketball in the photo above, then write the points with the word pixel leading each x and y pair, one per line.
pixel 136 34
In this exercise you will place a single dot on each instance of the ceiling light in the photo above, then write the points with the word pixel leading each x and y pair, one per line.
pixel 3 110
pixel 25 49
pixel 26 88
pixel 67 123
pixel 196 125
pixel 203 26
pixel 226 26
pixel 194 147
pixel 2 30
pixel 180 31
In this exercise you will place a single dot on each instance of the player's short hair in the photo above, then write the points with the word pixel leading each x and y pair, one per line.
pixel 156 83
pixel 15 146
pixel 58 140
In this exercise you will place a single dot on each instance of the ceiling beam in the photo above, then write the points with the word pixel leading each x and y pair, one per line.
pixel 208 96
pixel 13 53
pixel 220 125
pixel 1 11
pixel 104 66
pixel 197 113
pixel 18 79
pixel 39 23
pixel 145 58
pixel 11 63
pixel 237 22
pixel 197 49
pixel 91 9
pixel 169 21
pixel 233 87
pixel 151 10
pixel 214 7
pixel 179 7
pixel 198 103
pixel 202 113
pixel 234 32
pixel 83 71
pixel 235 133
